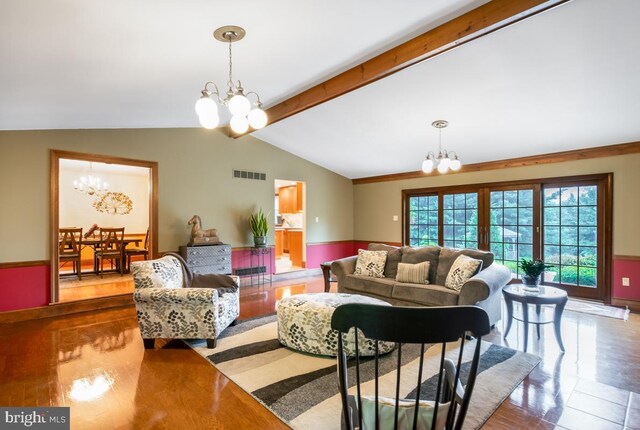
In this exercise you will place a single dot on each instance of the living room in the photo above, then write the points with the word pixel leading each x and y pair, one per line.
pixel 541 102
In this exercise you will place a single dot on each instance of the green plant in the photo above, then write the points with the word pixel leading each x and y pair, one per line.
pixel 258 223
pixel 533 268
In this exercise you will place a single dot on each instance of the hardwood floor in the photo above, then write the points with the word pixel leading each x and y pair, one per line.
pixel 95 363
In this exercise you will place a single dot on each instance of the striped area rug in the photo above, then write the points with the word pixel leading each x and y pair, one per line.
pixel 302 389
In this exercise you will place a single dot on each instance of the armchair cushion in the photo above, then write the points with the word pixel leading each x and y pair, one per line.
pixel 165 272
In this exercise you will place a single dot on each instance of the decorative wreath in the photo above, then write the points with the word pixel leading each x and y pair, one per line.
pixel 115 203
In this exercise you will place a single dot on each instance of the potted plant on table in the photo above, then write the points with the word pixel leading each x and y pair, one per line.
pixel 532 271
pixel 259 228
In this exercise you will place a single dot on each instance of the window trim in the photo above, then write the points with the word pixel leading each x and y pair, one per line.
pixel 605 216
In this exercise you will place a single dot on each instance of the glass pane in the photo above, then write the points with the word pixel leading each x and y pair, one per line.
pixel 448 217
pixel 511 216
pixel 551 196
pixel 569 275
pixel 569 215
pixel 525 234
pixel 496 216
pixel 551 216
pixel 449 243
pixel 525 251
pixel 525 198
pixel 587 256
pixel 459 201
pixel 459 216
pixel 433 234
pixel 471 245
pixel 552 235
pixel 569 255
pixel 413 231
pixel 413 242
pixel 459 244
pixel 587 277
pixel 525 216
pixel 472 200
pixel 433 203
pixel 569 235
pixel 496 234
pixel 423 217
pixel 588 215
pixel 496 199
pixel 472 233
pixel 448 232
pixel 551 254
pixel 413 217
pixel 588 236
pixel 510 199
pixel 569 196
pixel 496 249
pixel 423 203
pixel 588 195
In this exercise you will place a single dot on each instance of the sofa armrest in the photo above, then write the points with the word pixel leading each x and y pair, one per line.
pixel 176 296
pixel 344 266
pixel 484 284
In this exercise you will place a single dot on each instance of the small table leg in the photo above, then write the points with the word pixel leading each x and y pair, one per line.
pixel 509 303
pixel 525 320
pixel 538 315
pixel 326 275
pixel 557 319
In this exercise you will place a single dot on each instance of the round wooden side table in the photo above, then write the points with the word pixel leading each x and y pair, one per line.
pixel 546 296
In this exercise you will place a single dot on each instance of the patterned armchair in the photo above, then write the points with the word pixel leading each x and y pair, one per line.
pixel 166 309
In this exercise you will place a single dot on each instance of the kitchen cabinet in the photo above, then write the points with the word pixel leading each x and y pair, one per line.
pixel 279 243
pixel 285 241
pixel 295 247
pixel 290 199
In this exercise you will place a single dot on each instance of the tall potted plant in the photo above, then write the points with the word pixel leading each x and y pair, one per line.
pixel 532 271
pixel 259 228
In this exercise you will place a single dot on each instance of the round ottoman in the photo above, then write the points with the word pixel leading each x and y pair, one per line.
pixel 304 324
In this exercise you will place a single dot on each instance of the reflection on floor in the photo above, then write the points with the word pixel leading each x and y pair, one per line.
pixel 95 363
pixel 92 286
pixel 284 265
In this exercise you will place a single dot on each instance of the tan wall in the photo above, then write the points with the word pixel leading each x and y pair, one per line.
pixel 194 178
pixel 375 204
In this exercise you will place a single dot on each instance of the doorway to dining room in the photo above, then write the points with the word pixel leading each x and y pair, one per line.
pixel 103 212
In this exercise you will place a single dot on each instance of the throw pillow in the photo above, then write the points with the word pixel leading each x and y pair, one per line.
pixel 371 263
pixel 461 270
pixel 413 273
pixel 387 407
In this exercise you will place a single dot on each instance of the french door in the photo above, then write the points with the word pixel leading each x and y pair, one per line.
pixel 564 221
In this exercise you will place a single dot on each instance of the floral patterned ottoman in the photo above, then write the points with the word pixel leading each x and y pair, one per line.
pixel 304 324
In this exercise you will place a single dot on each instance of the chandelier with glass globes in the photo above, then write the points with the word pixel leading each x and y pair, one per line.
pixel 243 113
pixel 445 160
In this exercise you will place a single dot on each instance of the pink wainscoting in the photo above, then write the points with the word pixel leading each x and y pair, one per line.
pixel 241 258
pixel 24 287
pixel 320 252
pixel 626 267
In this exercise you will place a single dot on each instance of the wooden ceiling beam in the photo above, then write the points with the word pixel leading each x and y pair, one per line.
pixel 479 22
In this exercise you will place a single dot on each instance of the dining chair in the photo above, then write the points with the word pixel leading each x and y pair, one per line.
pixel 111 248
pixel 69 244
pixel 144 251
pixel 434 389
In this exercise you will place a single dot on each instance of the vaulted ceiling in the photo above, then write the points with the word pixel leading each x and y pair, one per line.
pixel 564 79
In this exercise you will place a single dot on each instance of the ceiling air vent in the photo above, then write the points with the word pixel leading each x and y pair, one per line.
pixel 242 174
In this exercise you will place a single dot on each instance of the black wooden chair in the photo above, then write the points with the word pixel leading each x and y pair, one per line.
pixel 412 328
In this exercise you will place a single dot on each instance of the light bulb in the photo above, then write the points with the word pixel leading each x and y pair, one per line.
pixel 427 165
pixel 206 107
pixel 257 118
pixel 455 164
pixel 239 105
pixel 443 166
pixel 209 121
pixel 239 124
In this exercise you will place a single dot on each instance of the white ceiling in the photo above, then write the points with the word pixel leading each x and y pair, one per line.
pixel 562 80
pixel 96 167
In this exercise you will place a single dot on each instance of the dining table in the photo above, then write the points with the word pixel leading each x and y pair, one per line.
pixel 94 242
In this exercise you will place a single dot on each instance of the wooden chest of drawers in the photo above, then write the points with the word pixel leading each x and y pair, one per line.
pixel 204 260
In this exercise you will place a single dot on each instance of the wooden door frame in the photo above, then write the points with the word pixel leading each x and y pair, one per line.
pixel 54 157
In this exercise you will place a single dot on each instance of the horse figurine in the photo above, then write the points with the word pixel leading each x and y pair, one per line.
pixel 198 235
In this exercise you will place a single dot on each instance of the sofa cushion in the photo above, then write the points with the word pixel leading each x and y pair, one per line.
pixel 449 255
pixel 413 273
pixel 461 271
pixel 371 263
pixel 368 285
pixel 426 253
pixel 394 256
pixel 431 295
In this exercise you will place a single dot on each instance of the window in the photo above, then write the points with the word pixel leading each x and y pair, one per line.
pixel 570 233
pixel 511 226
pixel 423 220
pixel 561 220
pixel 460 220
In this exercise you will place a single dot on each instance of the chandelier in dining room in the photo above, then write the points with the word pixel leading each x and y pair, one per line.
pixel 90 184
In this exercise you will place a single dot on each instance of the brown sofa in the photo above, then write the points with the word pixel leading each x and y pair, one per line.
pixel 483 289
